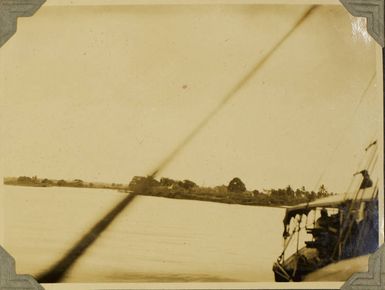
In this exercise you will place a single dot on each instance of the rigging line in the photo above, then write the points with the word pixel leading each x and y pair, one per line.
pixel 361 197
pixel 373 191
pixel 230 94
pixel 286 244
pixel 353 212
pixel 371 168
pixel 347 223
pixel 352 217
pixel 364 229
pixel 298 233
pixel 373 165
pixel 60 268
pixel 360 166
pixel 372 144
pixel 370 161
pixel 373 195
pixel 345 228
pixel 317 184
pixel 365 91
pixel 347 192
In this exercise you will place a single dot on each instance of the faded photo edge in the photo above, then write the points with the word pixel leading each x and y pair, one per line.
pixel 373 279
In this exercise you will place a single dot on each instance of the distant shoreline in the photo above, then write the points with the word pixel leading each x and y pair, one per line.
pixel 186 190
pixel 216 201
pixel 153 195
pixel 45 182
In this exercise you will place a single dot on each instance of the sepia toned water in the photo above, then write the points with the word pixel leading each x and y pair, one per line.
pixel 153 239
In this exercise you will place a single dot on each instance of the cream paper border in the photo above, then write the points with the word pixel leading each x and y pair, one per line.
pixel 227 285
pixel 189 2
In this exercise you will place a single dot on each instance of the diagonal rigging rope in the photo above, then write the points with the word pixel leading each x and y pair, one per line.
pixel 57 271
pixel 61 267
pixel 230 95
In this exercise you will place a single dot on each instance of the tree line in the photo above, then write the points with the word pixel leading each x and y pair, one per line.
pixel 234 192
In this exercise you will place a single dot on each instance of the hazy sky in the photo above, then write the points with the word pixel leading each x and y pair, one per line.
pixel 106 93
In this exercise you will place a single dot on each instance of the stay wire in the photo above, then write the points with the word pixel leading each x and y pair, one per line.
pixel 230 95
pixel 359 167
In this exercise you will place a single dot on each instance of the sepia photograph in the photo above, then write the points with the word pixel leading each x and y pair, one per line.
pixel 191 143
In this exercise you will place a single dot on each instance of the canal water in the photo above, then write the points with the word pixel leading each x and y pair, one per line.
pixel 153 240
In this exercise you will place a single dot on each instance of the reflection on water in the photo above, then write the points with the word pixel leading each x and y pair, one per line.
pixel 152 240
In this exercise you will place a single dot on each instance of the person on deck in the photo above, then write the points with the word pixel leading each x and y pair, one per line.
pixel 323 221
pixel 324 235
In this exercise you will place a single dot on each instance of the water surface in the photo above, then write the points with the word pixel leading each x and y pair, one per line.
pixel 152 240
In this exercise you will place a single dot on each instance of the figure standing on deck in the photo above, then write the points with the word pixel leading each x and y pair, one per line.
pixel 324 234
